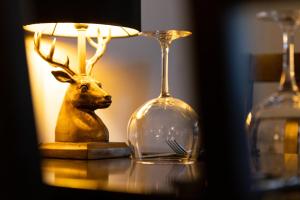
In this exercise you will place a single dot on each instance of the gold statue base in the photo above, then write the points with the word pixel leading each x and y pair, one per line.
pixel 85 151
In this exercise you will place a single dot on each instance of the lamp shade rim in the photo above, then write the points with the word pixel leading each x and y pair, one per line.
pixel 67 29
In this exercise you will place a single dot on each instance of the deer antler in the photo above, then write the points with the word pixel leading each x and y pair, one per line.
pixel 100 47
pixel 49 58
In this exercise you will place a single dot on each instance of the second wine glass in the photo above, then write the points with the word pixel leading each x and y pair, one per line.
pixel 273 125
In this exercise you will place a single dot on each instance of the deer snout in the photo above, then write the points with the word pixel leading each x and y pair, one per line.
pixel 106 101
pixel 107 98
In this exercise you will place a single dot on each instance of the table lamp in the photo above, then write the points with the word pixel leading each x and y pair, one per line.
pixel 79 132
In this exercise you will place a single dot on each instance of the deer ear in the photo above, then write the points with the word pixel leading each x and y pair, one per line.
pixel 63 76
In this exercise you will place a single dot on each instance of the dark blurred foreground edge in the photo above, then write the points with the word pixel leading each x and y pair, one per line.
pixel 221 95
pixel 20 173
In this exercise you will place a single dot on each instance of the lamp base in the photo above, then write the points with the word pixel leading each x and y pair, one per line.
pixel 85 151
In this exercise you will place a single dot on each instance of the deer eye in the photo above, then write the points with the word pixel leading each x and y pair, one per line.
pixel 100 85
pixel 84 88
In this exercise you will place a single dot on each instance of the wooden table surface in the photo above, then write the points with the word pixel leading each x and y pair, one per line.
pixel 118 175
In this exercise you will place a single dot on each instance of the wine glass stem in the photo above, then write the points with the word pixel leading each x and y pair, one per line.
pixel 287 80
pixel 165 65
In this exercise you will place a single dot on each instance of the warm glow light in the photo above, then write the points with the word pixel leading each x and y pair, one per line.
pixel 291 163
pixel 47 92
pixel 248 120
pixel 291 137
pixel 69 30
pixel 76 183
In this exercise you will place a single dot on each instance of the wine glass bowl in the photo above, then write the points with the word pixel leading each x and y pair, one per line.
pixel 164 129
pixel 159 121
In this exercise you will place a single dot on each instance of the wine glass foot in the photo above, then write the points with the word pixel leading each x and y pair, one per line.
pixel 165 161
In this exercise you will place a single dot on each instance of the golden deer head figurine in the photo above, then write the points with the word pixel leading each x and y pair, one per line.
pixel 77 120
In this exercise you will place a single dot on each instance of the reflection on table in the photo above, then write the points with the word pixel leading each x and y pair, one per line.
pixel 122 175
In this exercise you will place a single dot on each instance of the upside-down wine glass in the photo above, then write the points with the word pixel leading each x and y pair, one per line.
pixel 164 129
pixel 273 125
